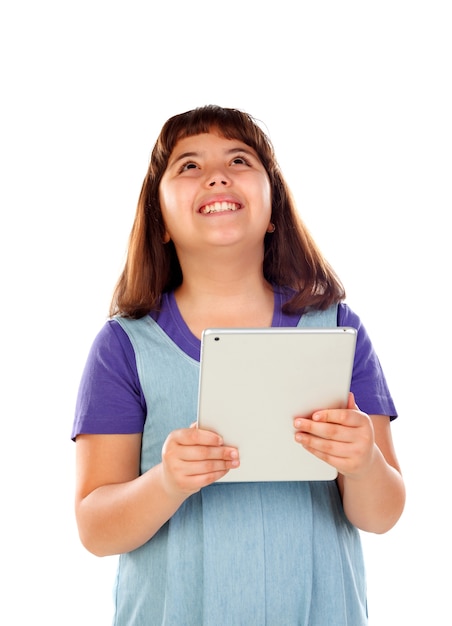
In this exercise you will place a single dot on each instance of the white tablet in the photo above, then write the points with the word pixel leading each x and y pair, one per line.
pixel 253 381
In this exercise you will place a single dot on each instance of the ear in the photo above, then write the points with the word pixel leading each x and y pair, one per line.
pixel 166 237
pixel 271 228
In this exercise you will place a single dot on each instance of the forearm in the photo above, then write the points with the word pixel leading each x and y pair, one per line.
pixel 118 518
pixel 374 501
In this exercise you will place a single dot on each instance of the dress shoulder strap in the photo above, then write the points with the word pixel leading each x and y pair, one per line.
pixel 319 319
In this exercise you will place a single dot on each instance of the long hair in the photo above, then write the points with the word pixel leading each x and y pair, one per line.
pixel 291 257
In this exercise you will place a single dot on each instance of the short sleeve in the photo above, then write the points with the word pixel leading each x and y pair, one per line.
pixel 110 399
pixel 368 384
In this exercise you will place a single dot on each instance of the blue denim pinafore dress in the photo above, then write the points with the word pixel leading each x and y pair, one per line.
pixel 234 554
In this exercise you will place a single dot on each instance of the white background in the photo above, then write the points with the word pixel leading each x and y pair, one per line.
pixel 356 97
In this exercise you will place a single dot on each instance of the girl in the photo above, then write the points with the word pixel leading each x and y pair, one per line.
pixel 217 242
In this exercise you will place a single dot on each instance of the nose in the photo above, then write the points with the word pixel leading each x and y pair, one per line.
pixel 217 177
pixel 218 181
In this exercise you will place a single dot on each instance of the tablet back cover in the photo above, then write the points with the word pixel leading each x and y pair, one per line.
pixel 253 382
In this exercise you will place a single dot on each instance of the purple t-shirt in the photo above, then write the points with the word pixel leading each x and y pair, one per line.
pixel 110 398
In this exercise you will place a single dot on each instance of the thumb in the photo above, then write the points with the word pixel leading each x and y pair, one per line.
pixel 351 404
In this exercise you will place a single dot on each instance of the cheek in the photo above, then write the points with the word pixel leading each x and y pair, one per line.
pixel 168 202
pixel 267 197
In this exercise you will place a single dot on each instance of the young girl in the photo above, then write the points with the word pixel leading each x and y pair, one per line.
pixel 217 242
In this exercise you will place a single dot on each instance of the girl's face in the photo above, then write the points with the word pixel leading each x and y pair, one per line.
pixel 214 191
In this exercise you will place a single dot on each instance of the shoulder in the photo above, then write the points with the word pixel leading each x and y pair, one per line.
pixel 111 340
pixel 110 398
pixel 347 316
pixel 368 382
pixel 111 357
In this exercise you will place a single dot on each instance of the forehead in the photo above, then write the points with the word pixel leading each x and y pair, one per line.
pixel 205 141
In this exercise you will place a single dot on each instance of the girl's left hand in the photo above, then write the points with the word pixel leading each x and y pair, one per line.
pixel 343 438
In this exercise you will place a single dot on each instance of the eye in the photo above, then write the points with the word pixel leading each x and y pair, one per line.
pixel 189 165
pixel 240 160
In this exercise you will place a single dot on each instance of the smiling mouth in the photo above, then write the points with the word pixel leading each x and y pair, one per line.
pixel 217 207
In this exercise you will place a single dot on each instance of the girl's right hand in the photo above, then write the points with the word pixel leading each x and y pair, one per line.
pixel 193 458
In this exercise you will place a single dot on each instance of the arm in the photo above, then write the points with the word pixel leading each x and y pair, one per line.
pixel 361 448
pixel 117 509
pixel 374 499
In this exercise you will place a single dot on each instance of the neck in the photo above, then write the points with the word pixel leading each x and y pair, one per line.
pixel 224 294
pixel 226 272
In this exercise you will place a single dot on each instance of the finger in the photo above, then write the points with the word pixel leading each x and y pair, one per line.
pixel 351 416
pixel 207 453
pixel 325 423
pixel 210 466
pixel 326 449
pixel 196 436
pixel 189 477
pixel 309 431
pixel 207 469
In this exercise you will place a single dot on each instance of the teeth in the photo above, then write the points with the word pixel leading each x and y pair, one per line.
pixel 216 207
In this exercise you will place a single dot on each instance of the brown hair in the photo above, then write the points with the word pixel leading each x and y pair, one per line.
pixel 291 257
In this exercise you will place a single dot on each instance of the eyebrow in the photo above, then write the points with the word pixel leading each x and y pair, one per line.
pixel 231 151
